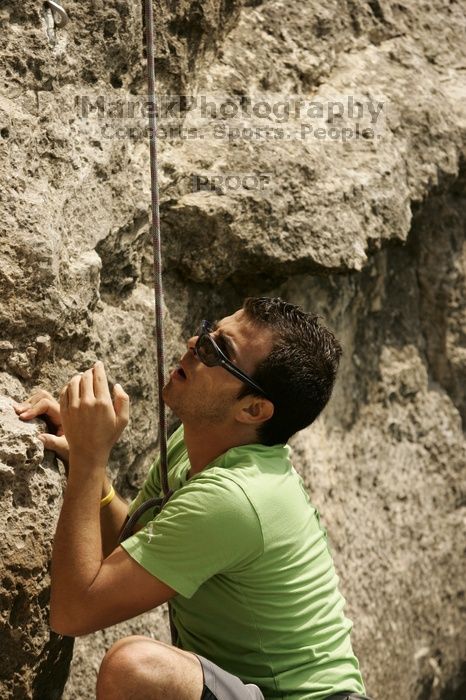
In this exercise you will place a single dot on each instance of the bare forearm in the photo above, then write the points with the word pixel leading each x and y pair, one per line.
pixel 112 519
pixel 77 546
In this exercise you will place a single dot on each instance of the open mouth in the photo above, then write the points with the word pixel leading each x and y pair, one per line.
pixel 181 373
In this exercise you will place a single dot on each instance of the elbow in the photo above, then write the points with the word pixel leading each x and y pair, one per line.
pixel 58 621
pixel 69 623
pixel 62 626
pixel 63 630
pixel 66 628
pixel 65 623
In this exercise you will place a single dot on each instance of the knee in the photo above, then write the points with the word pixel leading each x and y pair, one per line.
pixel 125 664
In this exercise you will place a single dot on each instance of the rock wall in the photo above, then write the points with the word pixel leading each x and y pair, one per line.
pixel 34 659
pixel 366 230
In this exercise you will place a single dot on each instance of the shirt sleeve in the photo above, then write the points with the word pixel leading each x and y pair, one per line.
pixel 207 527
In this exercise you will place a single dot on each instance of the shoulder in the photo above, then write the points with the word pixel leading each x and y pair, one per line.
pixel 216 498
pixel 214 485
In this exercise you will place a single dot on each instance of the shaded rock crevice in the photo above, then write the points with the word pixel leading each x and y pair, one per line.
pixel 123 254
pixel 439 234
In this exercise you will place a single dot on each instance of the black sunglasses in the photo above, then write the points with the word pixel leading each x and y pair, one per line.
pixel 209 353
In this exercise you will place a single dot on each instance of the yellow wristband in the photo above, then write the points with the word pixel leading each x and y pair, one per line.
pixel 108 498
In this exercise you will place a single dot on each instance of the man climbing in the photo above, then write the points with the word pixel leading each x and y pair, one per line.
pixel 238 549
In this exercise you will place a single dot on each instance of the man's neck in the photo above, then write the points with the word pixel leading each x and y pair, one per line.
pixel 205 445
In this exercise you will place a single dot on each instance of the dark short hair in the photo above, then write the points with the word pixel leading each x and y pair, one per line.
pixel 299 373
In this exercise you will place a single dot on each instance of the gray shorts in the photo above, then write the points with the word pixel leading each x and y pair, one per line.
pixel 221 685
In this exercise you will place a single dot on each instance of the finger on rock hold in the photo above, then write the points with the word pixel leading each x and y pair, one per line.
pixel 101 390
pixel 87 385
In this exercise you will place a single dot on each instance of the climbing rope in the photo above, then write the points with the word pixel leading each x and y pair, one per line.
pixel 157 246
pixel 156 503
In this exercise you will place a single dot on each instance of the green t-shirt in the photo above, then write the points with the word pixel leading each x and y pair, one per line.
pixel 243 547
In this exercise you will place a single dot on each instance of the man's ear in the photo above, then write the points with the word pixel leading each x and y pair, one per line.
pixel 254 410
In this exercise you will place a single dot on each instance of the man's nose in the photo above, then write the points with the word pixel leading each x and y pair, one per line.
pixel 191 344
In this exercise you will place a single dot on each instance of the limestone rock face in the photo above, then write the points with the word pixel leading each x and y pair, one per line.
pixel 34 660
pixel 363 222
